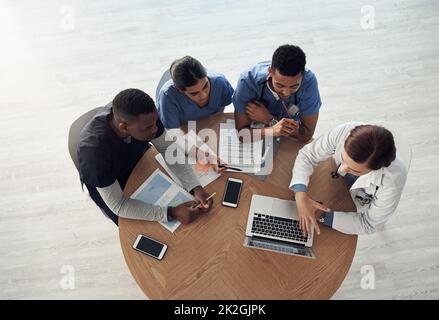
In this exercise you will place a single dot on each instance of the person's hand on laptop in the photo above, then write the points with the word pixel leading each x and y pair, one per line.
pixel 186 212
pixel 307 208
pixel 201 195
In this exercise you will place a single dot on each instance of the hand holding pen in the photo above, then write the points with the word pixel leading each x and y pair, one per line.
pixel 199 205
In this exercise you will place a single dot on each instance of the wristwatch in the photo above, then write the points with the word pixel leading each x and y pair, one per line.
pixel 327 218
pixel 272 122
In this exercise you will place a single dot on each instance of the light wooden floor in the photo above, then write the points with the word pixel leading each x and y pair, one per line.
pixel 51 71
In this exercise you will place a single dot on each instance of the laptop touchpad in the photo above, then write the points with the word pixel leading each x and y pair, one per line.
pixel 285 208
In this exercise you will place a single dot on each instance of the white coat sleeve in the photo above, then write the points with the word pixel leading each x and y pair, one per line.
pixel 317 151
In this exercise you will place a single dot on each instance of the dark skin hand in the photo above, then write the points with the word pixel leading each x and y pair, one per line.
pixel 285 127
pixel 256 111
pixel 201 195
pixel 186 212
pixel 307 128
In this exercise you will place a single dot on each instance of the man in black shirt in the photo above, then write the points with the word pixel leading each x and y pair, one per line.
pixel 110 146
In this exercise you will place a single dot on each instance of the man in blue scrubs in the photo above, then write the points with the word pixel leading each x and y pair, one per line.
pixel 192 93
pixel 280 95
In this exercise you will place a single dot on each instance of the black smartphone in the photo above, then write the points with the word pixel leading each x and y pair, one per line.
pixel 232 192
pixel 150 246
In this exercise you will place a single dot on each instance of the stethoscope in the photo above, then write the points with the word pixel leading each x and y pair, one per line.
pixel 285 108
pixel 364 198
pixel 283 103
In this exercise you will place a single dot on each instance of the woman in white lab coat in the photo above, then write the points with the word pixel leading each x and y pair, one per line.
pixel 366 156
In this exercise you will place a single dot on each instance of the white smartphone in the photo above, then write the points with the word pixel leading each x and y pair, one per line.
pixel 232 192
pixel 150 246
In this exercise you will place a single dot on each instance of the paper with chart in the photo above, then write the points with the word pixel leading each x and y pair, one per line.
pixel 205 177
pixel 246 156
pixel 160 190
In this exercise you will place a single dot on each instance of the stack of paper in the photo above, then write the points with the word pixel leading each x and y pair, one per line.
pixel 245 155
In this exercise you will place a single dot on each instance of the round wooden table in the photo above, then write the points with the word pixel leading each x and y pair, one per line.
pixel 207 260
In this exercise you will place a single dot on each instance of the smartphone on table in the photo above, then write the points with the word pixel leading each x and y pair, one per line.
pixel 150 247
pixel 232 192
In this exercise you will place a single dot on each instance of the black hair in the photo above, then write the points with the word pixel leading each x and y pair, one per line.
pixel 371 144
pixel 186 72
pixel 130 103
pixel 289 60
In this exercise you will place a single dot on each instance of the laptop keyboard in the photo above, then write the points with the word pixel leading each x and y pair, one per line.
pixel 278 227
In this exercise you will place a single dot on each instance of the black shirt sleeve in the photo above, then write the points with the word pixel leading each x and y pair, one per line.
pixel 95 168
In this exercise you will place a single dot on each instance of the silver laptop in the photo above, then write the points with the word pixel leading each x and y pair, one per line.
pixel 273 225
